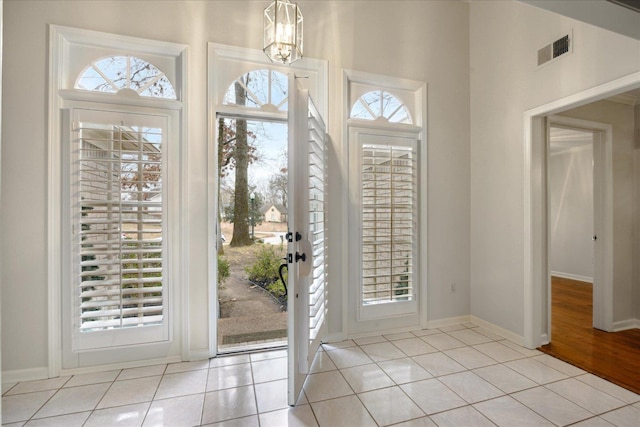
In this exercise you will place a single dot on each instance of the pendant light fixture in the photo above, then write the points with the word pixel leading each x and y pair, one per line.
pixel 283 32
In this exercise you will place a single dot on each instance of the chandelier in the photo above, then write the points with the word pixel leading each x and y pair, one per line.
pixel 283 32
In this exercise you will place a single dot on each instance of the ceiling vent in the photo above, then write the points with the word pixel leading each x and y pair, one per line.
pixel 554 50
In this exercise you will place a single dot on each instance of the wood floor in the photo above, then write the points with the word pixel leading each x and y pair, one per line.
pixel 614 356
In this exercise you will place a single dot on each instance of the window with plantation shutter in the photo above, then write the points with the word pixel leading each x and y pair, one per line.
pixel 388 212
pixel 118 222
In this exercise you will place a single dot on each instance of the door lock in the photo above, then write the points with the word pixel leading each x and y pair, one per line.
pixel 301 256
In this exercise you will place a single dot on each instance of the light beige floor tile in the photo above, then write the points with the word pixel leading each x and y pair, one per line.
pixel 269 370
pixel 370 340
pixel 426 332
pixel 18 424
pixel 442 341
pixel 348 357
pixel 182 384
pixel 471 387
pixel 552 406
pixel 177 411
pixel 520 349
pixel 499 351
pixel 383 351
pixel 452 328
pixel 469 357
pixel 439 364
pixel 465 416
pixel 322 363
pixel 536 371
pixel 623 417
pixel 40 385
pixel 593 422
pixel 507 412
pixel 75 399
pixel 93 378
pixel 417 422
pixel 487 333
pixel 299 416
pixel 125 416
pixel 469 337
pixel 366 377
pixel 174 368
pixel 559 365
pixel 227 404
pixel 342 412
pixel 145 371
pixel 21 407
pixel 250 421
pixel 338 345
pixel 237 359
pixel 267 355
pixel 271 396
pixel 326 385
pixel 398 336
pixel 588 397
pixel 7 386
pixel 610 388
pixel 130 391
pixel 432 396
pixel 414 346
pixel 390 406
pixel 229 377
pixel 507 380
pixel 404 370
pixel 70 420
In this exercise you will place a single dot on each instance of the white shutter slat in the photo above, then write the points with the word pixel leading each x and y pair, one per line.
pixel 388 211
pixel 117 179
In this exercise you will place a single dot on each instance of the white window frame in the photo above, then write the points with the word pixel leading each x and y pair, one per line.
pixel 357 318
pixel 71 50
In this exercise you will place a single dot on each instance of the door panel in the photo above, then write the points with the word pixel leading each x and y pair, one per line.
pixel 307 243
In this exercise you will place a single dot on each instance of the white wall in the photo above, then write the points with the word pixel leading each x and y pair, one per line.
pixel 425 41
pixel 571 212
pixel 505 37
pixel 636 211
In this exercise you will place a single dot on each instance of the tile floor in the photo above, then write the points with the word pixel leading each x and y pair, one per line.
pixel 455 376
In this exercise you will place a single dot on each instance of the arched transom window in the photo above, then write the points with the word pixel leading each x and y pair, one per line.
pixel 261 89
pixel 116 73
pixel 380 105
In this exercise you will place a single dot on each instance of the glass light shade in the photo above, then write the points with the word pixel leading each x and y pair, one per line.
pixel 283 32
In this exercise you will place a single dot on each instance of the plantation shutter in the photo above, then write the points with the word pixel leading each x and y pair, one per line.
pixel 119 226
pixel 388 218
pixel 317 224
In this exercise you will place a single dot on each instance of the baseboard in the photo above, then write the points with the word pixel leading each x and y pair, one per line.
pixel 506 334
pixel 201 354
pixel 624 325
pixel 18 375
pixel 572 276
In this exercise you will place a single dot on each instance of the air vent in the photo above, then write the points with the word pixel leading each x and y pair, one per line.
pixel 554 50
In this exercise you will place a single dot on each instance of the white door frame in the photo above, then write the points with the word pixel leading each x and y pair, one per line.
pixel 536 322
pixel 602 219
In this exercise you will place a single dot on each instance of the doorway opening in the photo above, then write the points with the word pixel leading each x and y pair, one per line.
pixel 252 221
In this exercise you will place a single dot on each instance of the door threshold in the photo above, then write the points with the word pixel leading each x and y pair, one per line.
pixel 252 347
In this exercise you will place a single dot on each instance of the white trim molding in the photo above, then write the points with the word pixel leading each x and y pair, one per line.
pixel 536 325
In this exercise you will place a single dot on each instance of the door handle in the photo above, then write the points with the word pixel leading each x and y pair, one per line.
pixel 594 238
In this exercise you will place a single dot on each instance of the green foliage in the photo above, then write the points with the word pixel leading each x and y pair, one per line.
pixel 277 288
pixel 223 270
pixel 265 268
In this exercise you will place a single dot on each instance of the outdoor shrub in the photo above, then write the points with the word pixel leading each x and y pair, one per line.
pixel 265 268
pixel 223 270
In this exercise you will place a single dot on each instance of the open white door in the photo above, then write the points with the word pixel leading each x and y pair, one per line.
pixel 307 235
